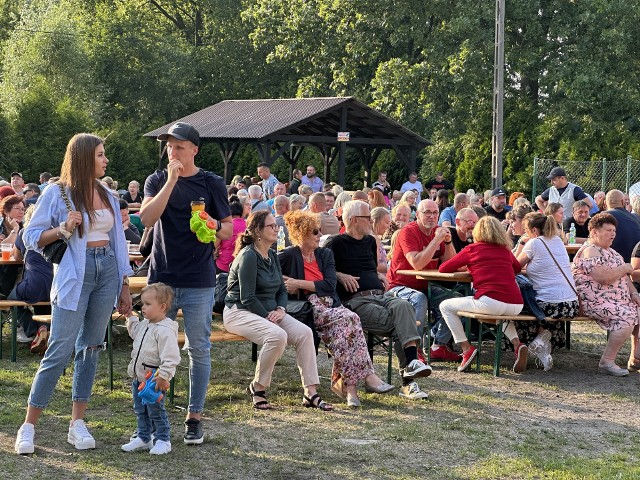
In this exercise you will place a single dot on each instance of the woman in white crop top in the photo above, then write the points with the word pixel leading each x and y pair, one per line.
pixel 90 279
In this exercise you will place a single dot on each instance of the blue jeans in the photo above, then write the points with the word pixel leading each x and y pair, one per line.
pixel 151 417
pixel 82 330
pixel 197 308
pixel 441 333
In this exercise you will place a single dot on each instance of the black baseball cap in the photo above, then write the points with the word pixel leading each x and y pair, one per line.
pixel 182 131
pixel 556 172
pixel 498 191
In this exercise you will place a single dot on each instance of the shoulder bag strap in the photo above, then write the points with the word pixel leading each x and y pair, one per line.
pixel 558 265
pixel 63 193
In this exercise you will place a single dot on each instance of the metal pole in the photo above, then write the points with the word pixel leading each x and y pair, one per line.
pixel 604 175
pixel 535 179
pixel 628 173
pixel 498 98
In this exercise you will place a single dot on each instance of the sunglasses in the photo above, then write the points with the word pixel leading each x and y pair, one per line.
pixel 316 231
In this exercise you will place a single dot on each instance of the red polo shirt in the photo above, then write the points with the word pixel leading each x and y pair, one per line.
pixel 411 239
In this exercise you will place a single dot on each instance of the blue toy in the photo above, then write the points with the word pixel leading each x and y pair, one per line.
pixel 147 389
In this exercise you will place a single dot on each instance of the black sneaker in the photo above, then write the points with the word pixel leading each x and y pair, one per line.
pixel 193 434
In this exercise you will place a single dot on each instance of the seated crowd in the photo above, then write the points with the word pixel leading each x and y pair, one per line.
pixel 307 262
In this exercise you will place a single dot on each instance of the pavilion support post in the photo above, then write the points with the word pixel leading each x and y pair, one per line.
pixel 343 149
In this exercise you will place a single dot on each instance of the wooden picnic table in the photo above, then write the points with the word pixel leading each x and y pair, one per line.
pixel 572 248
pixel 435 275
pixel 12 261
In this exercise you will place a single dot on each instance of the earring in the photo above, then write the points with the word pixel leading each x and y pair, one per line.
pixel 259 239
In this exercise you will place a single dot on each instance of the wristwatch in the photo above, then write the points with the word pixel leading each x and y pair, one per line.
pixel 280 307
pixel 125 281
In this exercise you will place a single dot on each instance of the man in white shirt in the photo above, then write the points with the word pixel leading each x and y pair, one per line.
pixel 412 184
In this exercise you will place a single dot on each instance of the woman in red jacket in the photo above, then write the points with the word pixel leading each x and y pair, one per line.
pixel 493 269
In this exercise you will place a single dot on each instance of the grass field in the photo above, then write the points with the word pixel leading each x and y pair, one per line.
pixel 568 423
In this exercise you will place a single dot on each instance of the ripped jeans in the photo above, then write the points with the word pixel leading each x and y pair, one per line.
pixel 82 331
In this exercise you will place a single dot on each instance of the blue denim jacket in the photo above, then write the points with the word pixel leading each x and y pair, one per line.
pixel 68 276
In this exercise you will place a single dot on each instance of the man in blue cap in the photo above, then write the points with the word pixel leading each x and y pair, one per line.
pixel 180 260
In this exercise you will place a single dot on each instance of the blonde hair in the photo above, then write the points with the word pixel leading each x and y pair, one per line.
pixel 490 230
pixel 301 224
pixel 162 293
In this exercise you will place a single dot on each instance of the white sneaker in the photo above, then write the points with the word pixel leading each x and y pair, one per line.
pixel 21 337
pixel 24 439
pixel 79 436
pixel 540 348
pixel 160 448
pixel 412 391
pixel 416 369
pixel 137 444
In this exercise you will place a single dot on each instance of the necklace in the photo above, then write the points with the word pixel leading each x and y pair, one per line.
pixel 308 257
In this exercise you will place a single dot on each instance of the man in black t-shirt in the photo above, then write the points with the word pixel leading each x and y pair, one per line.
pixel 362 289
pixel 440 183
pixel 180 260
pixel 498 205
pixel 462 233
pixel 580 219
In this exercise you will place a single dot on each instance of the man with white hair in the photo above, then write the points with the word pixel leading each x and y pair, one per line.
pixel 279 189
pixel 255 195
pixel 281 206
pixel 422 245
pixel 362 289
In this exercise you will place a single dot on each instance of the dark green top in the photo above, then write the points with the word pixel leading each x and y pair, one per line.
pixel 255 283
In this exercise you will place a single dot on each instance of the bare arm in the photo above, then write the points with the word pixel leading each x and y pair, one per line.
pixel 152 207
pixel 635 264
pixel 419 260
pixel 607 275
pixel 541 203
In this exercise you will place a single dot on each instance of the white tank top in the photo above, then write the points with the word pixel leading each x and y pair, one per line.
pixel 99 231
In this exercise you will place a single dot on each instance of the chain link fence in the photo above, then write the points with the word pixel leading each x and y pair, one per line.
pixel 591 175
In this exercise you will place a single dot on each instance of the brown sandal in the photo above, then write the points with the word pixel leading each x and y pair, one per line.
pixel 634 366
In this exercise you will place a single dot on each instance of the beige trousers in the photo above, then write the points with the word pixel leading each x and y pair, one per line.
pixel 274 338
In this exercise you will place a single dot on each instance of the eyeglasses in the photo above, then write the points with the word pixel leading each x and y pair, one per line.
pixel 467 221
pixel 273 226
pixel 316 231
pixel 16 207
pixel 368 217
pixel 429 212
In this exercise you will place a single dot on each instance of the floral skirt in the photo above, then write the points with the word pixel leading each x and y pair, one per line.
pixel 340 329
pixel 528 331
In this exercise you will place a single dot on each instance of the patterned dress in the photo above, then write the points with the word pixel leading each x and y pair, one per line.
pixel 340 329
pixel 609 305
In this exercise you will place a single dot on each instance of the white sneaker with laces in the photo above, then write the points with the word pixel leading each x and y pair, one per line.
pixel 160 448
pixel 412 391
pixel 21 337
pixel 137 444
pixel 79 436
pixel 24 439
pixel 416 369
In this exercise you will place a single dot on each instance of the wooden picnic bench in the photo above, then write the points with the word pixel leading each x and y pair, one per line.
pixel 498 320
pixel 11 306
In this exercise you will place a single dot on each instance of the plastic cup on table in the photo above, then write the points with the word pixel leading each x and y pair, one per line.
pixel 6 251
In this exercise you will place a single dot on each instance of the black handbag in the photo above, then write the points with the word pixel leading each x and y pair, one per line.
pixel 54 252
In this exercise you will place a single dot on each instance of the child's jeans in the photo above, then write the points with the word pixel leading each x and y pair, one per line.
pixel 150 417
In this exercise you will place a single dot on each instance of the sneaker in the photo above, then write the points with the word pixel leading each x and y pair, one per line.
pixel 79 436
pixel 416 369
pixel 193 434
pixel 21 337
pixel 540 348
pixel 614 370
pixel 24 439
pixel 160 448
pixel 520 364
pixel 443 353
pixel 137 444
pixel 412 391
pixel 467 358
pixel 421 356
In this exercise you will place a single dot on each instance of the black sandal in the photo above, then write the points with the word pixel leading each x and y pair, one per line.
pixel 260 404
pixel 316 402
